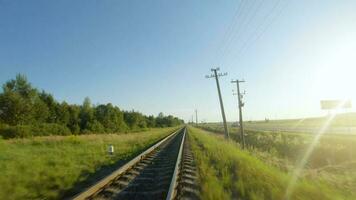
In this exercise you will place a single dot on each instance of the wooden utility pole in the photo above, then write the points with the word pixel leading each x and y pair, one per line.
pixel 216 75
pixel 240 105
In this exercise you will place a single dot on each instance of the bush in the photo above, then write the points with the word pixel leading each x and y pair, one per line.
pixel 96 127
pixel 15 131
pixel 21 131
pixel 50 129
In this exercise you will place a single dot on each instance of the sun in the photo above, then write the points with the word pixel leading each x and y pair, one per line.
pixel 336 70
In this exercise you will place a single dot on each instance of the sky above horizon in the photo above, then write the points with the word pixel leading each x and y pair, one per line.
pixel 152 56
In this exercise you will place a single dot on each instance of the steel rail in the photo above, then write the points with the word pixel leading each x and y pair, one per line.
pixel 97 187
pixel 174 182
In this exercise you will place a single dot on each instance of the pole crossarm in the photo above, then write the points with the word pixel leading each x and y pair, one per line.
pixel 213 75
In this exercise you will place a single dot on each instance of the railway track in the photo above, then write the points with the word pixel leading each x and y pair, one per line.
pixel 164 171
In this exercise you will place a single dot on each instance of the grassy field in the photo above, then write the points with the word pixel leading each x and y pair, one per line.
pixel 341 124
pixel 50 167
pixel 340 120
pixel 226 172
pixel 333 159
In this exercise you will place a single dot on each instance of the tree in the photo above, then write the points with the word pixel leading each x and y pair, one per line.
pixel 110 117
pixel 14 109
pixel 74 120
pixel 160 120
pixel 25 111
pixel 95 127
pixel 20 103
pixel 135 120
pixel 86 114
pixel 20 86
pixel 151 121
pixel 52 106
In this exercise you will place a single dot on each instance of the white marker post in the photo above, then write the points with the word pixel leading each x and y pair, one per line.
pixel 111 149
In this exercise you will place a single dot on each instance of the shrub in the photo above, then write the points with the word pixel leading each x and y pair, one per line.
pixel 15 131
pixel 96 127
pixel 21 131
pixel 50 129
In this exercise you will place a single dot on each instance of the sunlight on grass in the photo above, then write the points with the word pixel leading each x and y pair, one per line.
pixel 301 165
pixel 227 172
pixel 333 160
pixel 306 157
pixel 297 124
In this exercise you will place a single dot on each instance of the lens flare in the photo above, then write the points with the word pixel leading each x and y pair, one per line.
pixel 296 125
pixel 298 170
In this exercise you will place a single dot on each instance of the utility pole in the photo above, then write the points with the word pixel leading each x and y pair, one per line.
pixel 196 117
pixel 240 104
pixel 216 75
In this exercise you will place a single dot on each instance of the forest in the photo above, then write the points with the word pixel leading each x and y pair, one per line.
pixel 27 111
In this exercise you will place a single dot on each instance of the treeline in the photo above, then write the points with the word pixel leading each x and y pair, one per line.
pixel 26 111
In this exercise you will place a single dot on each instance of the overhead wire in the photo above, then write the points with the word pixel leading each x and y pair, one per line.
pixel 238 25
pixel 245 26
pixel 260 30
pixel 243 18
pixel 231 27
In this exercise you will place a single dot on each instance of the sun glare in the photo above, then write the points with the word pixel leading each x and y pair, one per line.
pixel 301 165
pixel 336 69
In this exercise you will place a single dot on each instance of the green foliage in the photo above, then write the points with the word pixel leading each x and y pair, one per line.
pixel 50 129
pixel 110 117
pixel 20 103
pixel 29 112
pixel 14 109
pixel 226 172
pixel 42 129
pixel 95 127
pixel 163 121
pixel 135 120
pixel 46 167
pixel 16 131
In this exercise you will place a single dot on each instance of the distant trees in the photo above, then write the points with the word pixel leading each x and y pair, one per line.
pixel 20 103
pixel 110 117
pixel 24 111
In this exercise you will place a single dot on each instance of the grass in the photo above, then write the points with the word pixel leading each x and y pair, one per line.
pixel 333 160
pixel 48 167
pixel 342 124
pixel 226 172
pixel 340 120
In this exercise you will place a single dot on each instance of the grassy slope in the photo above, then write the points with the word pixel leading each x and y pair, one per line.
pixel 333 159
pixel 227 172
pixel 45 167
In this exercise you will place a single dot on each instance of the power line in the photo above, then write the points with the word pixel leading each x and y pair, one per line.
pixel 230 30
pixel 250 13
pixel 262 28
pixel 245 26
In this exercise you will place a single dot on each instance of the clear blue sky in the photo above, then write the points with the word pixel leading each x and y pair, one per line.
pixel 152 56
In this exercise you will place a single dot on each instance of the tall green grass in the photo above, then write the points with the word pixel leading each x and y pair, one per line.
pixel 47 167
pixel 333 159
pixel 226 172
pixel 330 150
